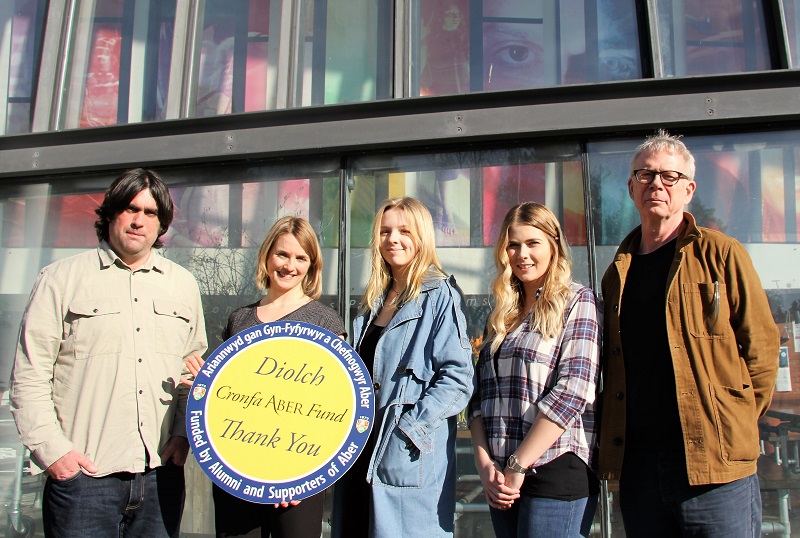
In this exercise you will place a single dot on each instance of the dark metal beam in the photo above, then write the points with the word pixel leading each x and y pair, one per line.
pixel 600 110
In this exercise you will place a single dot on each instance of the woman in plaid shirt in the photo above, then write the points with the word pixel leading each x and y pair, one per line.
pixel 531 417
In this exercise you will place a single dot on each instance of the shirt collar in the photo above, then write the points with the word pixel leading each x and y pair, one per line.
pixel 108 257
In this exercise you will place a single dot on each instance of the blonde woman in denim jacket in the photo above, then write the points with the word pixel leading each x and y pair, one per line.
pixel 411 333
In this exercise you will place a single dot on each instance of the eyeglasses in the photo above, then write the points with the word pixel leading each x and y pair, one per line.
pixel 668 177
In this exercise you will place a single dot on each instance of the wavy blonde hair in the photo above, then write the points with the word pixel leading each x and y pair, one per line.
pixel 302 231
pixel 419 221
pixel 507 289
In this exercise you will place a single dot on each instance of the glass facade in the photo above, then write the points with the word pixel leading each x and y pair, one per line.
pixel 193 69
pixel 513 44
pixel 22 23
pixel 223 213
pixel 791 16
pixel 700 38
pixel 129 61
pixel 118 70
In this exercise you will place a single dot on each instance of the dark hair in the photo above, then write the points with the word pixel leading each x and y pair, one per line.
pixel 124 189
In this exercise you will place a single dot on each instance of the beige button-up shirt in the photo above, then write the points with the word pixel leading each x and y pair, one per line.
pixel 99 359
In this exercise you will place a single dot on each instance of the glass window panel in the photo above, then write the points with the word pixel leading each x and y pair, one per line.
pixel 698 37
pixel 20 53
pixel 119 62
pixel 346 53
pixel 238 57
pixel 222 215
pixel 512 44
pixel 468 195
pixel 791 12
pixel 747 187
pixel 444 47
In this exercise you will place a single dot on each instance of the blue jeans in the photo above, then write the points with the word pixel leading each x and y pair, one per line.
pixel 546 518
pixel 656 500
pixel 148 504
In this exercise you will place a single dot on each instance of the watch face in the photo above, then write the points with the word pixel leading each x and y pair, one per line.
pixel 514 465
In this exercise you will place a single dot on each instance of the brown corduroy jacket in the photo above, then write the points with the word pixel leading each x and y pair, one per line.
pixel 724 348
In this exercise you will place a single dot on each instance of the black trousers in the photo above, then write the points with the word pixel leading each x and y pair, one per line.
pixel 237 517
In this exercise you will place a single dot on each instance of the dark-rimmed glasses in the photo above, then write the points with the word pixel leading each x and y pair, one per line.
pixel 668 177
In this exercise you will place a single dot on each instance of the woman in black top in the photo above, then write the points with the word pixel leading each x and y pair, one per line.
pixel 289 268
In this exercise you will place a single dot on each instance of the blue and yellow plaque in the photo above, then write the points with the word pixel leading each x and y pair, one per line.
pixel 279 412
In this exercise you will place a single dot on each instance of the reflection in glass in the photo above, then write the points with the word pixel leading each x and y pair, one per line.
pixel 469 193
pixel 119 65
pixel 234 72
pixel 747 187
pixel 791 12
pixel 20 50
pixel 535 44
pixel 346 54
pixel 444 47
pixel 701 37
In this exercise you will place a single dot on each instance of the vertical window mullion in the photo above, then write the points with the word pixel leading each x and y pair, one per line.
pixel 346 186
pixel 552 60
pixel 77 53
pixel 654 31
pixel 401 56
pixel 780 48
pixel 790 193
pixel 6 21
pixel 754 171
pixel 319 53
pixel 130 24
pixel 52 68
pixel 241 13
pixel 287 57
pixel 194 43
pixel 476 45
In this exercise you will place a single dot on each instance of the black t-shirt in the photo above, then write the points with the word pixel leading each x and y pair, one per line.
pixel 566 478
pixel 652 419
pixel 354 514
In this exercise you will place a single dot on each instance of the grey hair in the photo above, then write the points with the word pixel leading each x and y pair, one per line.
pixel 664 142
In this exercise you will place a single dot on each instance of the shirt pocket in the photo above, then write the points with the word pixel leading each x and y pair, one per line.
pixel 173 321
pixel 95 326
pixel 540 356
pixel 707 309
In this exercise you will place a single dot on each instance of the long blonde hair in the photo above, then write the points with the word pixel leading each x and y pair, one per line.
pixel 304 233
pixel 507 289
pixel 419 221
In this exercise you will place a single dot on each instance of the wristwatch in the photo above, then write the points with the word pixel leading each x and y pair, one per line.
pixel 513 464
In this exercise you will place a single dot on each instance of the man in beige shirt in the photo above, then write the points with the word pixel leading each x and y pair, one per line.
pixel 95 390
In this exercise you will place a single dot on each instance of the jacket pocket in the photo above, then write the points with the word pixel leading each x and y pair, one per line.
pixel 736 422
pixel 707 311
pixel 400 461
pixel 173 321
pixel 95 327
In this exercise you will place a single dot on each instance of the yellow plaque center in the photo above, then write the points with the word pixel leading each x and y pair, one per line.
pixel 281 410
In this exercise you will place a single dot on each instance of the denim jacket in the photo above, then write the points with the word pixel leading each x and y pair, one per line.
pixel 423 378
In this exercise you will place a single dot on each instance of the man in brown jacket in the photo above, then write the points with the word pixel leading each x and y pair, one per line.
pixel 689 363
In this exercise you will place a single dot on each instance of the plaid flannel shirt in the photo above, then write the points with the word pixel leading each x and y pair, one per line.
pixel 530 375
